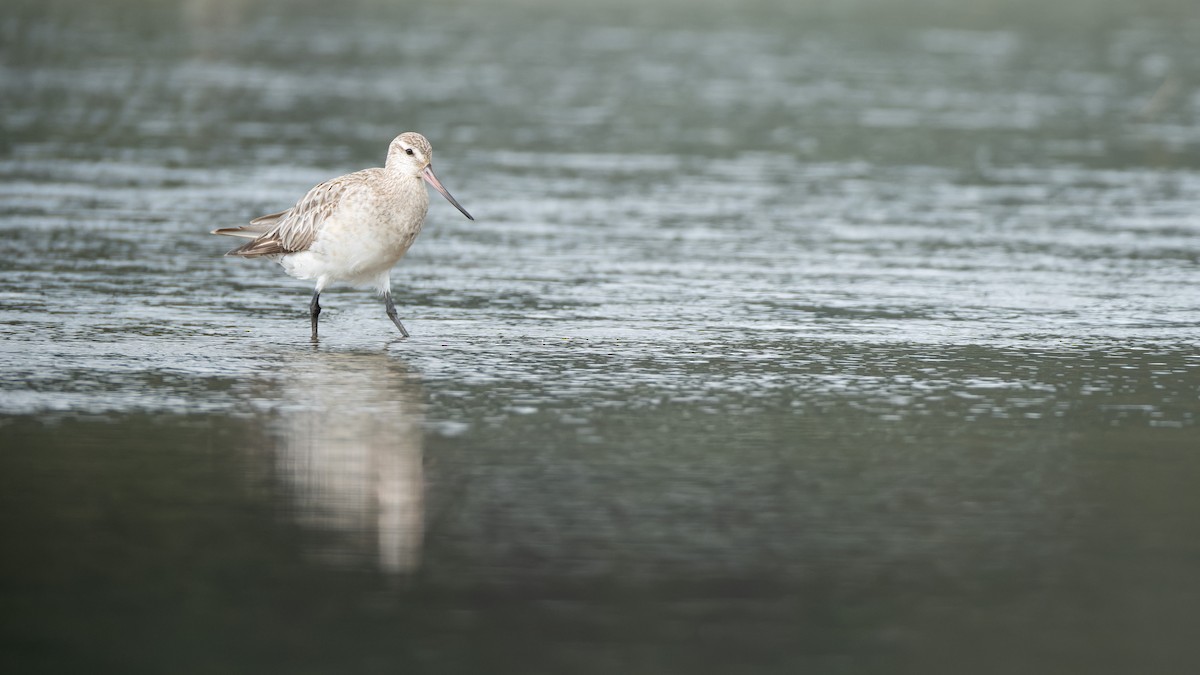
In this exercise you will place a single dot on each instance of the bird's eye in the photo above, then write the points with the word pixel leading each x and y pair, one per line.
pixel 408 151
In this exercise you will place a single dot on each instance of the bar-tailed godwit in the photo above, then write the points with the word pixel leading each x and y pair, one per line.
pixel 351 229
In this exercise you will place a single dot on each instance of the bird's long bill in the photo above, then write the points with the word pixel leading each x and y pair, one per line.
pixel 432 179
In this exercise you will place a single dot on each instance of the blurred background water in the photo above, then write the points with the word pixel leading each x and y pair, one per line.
pixel 791 336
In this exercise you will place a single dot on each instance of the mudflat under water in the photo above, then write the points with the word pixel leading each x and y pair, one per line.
pixel 784 340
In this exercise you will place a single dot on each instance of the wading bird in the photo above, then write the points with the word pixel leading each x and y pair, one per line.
pixel 351 229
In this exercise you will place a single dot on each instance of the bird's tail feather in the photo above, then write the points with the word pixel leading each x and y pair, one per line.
pixel 243 231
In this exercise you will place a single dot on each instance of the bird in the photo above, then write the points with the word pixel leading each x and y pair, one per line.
pixel 351 229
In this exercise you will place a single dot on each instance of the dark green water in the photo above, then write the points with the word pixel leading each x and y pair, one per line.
pixel 854 338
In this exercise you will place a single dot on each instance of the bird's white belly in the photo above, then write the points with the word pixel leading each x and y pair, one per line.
pixel 350 251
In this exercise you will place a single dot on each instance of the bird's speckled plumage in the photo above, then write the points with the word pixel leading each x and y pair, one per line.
pixel 351 229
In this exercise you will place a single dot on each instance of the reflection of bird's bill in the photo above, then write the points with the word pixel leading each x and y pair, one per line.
pixel 432 179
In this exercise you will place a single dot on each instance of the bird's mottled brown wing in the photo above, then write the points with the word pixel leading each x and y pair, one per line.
pixel 295 230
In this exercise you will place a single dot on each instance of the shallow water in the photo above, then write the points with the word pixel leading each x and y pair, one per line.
pixel 785 338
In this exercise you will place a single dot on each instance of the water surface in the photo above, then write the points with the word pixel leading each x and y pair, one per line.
pixel 785 339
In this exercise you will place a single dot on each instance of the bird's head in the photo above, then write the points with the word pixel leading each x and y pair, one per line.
pixel 411 154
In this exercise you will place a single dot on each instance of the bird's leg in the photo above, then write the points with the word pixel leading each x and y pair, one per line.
pixel 391 312
pixel 314 309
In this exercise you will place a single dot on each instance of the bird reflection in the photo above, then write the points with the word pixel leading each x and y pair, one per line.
pixel 351 454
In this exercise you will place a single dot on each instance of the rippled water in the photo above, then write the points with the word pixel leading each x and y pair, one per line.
pixel 786 338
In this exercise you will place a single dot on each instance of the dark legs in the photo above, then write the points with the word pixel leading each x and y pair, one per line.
pixel 314 308
pixel 391 312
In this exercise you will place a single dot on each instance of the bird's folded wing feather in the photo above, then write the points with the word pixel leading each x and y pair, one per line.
pixel 293 230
